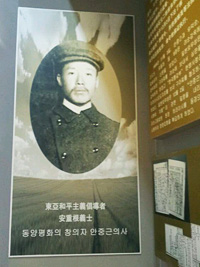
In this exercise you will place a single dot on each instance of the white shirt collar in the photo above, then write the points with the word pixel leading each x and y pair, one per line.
pixel 75 108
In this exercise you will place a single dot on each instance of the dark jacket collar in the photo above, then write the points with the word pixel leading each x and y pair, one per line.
pixel 68 115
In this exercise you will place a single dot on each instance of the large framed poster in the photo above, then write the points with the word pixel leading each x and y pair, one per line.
pixel 74 175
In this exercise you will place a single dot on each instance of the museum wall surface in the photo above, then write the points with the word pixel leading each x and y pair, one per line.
pixel 173 50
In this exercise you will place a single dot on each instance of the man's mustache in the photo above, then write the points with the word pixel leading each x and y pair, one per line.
pixel 79 89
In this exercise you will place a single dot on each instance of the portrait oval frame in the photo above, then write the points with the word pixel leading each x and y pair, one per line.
pixel 45 96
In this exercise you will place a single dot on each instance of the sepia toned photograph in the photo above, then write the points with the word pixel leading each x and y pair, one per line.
pixel 72 134
pixel 75 187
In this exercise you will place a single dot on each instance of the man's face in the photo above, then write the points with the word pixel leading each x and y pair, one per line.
pixel 78 81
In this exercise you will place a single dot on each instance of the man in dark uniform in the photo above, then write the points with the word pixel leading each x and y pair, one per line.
pixel 74 135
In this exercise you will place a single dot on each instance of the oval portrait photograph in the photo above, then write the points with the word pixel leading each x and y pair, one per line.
pixel 72 132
